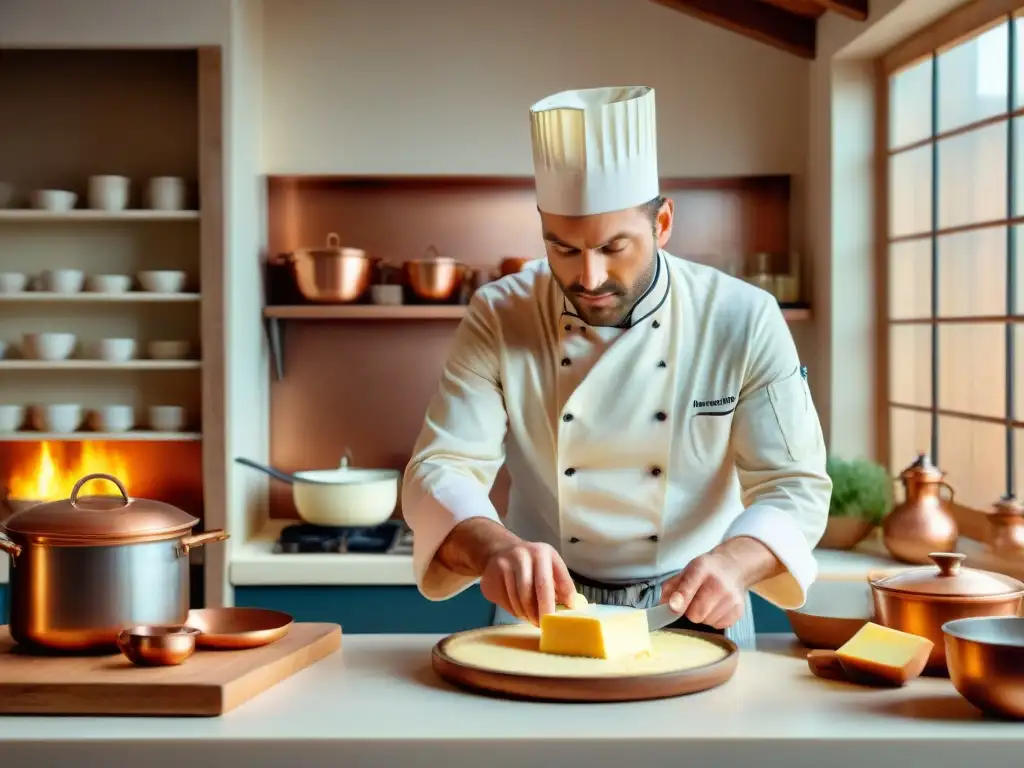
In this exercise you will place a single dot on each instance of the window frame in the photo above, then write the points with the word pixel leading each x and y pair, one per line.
pixel 958 26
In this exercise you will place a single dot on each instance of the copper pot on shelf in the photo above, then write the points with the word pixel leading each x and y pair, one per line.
pixel 333 274
pixel 922 523
pixel 434 277
pixel 1007 521
pixel 921 600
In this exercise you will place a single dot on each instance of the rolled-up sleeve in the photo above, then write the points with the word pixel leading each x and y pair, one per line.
pixel 780 459
pixel 459 452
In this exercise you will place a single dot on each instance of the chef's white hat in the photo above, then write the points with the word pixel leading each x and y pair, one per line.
pixel 595 150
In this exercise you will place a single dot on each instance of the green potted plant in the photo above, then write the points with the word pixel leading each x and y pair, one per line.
pixel 861 498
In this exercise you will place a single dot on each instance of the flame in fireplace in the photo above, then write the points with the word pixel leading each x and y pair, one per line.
pixel 55 468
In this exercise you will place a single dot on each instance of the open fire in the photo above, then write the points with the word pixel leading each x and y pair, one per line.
pixel 51 471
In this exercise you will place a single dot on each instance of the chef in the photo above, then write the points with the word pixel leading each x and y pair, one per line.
pixel 652 412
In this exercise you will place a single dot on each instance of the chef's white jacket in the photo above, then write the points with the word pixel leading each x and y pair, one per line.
pixel 631 451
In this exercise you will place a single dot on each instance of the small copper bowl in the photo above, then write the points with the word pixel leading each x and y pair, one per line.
pixel 158 646
pixel 985 656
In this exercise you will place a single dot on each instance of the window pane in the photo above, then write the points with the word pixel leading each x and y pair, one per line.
pixel 1018 461
pixel 910 364
pixel 973 453
pixel 972 368
pixel 910 433
pixel 972 177
pixel 910 104
pixel 972 273
pixel 1018 31
pixel 1018 259
pixel 1018 367
pixel 910 279
pixel 974 79
pixel 910 192
pixel 1018 164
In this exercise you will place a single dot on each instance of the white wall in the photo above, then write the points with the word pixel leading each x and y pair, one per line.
pixel 410 86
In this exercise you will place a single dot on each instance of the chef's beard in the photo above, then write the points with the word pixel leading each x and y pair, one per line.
pixel 618 312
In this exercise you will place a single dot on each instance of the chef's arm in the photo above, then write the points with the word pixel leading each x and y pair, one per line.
pixel 780 459
pixel 456 459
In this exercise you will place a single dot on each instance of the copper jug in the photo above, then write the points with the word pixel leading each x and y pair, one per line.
pixel 922 523
pixel 1007 520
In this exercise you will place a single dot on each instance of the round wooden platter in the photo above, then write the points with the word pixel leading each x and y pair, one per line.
pixel 597 688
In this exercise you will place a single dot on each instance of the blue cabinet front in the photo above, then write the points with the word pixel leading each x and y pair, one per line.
pixel 403 610
pixel 3 604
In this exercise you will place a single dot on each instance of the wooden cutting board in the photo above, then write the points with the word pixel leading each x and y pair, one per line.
pixel 210 683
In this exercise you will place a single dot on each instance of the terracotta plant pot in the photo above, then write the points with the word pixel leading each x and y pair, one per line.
pixel 845 532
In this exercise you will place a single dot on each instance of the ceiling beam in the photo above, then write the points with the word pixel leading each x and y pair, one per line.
pixel 757 20
pixel 854 9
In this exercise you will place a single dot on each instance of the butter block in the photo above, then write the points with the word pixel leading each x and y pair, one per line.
pixel 877 655
pixel 595 631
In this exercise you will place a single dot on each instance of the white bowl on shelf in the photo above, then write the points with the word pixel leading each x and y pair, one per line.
pixel 169 350
pixel 109 193
pixel 112 418
pixel 108 283
pixel 3 349
pixel 113 350
pixel 167 418
pixel 12 417
pixel 13 282
pixel 54 200
pixel 62 280
pixel 48 346
pixel 61 418
pixel 163 280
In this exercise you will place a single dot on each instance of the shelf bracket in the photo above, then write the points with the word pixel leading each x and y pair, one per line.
pixel 275 332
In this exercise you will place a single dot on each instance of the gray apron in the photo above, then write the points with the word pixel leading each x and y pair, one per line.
pixel 647 594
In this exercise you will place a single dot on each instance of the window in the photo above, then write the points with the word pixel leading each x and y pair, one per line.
pixel 954 243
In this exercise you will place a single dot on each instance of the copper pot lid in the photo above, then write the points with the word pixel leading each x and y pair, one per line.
pixel 949 580
pixel 923 468
pixel 1008 506
pixel 334 248
pixel 100 519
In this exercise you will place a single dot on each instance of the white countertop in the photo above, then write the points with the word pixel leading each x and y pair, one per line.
pixel 378 703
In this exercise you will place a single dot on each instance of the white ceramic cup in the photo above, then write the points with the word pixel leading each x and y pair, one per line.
pixel 48 346
pixel 386 295
pixel 112 418
pixel 114 350
pixel 169 350
pixel 12 417
pixel 167 193
pixel 60 418
pixel 63 280
pixel 109 193
pixel 6 194
pixel 55 200
pixel 167 418
pixel 108 283
pixel 13 282
pixel 3 349
pixel 163 280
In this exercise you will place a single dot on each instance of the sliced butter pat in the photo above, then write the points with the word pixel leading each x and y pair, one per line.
pixel 596 631
pixel 879 655
pixel 578 601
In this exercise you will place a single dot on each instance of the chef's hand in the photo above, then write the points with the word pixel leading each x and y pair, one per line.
pixel 527 579
pixel 708 591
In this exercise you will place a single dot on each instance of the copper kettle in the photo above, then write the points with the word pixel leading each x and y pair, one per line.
pixel 922 523
pixel 1007 521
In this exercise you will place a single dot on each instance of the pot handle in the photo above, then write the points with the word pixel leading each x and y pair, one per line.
pixel 199 539
pixel 8 546
pixel 333 241
pixel 98 476
pixel 949 488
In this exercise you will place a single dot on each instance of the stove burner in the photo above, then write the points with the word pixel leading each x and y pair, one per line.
pixel 302 538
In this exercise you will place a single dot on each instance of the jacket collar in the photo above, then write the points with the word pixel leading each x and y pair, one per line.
pixel 649 303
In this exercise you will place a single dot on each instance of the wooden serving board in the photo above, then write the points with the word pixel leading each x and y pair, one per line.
pixel 523 672
pixel 210 683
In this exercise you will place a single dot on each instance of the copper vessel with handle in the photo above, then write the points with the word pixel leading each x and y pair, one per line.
pixel 922 523
pixel 1007 519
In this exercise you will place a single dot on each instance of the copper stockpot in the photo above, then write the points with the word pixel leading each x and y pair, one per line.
pixel 921 600
pixel 85 568
pixel 331 275
pixel 434 277
pixel 922 523
pixel 1007 521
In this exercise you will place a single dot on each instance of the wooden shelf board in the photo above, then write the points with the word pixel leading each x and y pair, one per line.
pixel 139 435
pixel 99 365
pixel 411 312
pixel 89 215
pixel 87 297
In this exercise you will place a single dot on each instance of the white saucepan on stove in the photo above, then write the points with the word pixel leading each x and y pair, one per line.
pixel 346 496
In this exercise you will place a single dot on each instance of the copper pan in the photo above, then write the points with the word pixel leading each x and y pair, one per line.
pixel 235 629
pixel 986 663
pixel 331 275
pixel 434 277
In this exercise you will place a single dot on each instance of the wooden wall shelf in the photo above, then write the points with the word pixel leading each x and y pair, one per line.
pixel 407 313
pixel 134 435
pixel 82 214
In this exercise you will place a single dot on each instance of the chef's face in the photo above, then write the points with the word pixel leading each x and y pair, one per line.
pixel 605 262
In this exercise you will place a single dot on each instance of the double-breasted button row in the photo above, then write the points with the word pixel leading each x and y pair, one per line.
pixel 576 540
pixel 570 471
